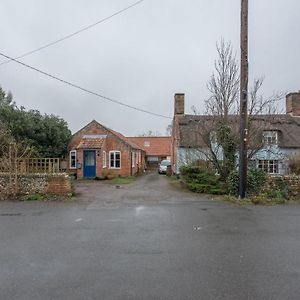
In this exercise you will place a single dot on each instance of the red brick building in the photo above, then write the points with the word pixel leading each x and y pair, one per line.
pixel 97 151
pixel 157 148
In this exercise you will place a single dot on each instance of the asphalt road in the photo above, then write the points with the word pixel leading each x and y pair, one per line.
pixel 148 240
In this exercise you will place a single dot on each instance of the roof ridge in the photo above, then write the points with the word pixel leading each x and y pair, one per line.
pixel 115 133
pixel 122 137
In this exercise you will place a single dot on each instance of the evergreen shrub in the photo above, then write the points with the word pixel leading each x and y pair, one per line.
pixel 255 181
pixel 200 180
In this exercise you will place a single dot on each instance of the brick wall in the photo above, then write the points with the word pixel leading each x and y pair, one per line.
pixel 59 184
pixel 113 143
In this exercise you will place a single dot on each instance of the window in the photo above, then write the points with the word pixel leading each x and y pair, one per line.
pixel 73 159
pixel 104 160
pixel 115 159
pixel 133 159
pixel 147 144
pixel 270 137
pixel 269 166
pixel 152 158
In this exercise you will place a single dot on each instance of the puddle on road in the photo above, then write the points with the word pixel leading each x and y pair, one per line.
pixel 139 209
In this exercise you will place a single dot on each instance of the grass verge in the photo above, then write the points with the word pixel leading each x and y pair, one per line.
pixel 122 180
pixel 33 197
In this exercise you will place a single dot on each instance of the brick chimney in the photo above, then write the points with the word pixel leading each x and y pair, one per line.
pixel 293 104
pixel 179 104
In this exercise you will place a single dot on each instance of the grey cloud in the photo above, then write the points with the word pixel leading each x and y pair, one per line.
pixel 141 57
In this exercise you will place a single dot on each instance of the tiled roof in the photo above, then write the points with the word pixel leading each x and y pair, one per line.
pixel 157 146
pixel 117 134
pixel 125 139
pixel 90 143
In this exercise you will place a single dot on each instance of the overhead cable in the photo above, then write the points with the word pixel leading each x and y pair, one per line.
pixel 84 89
pixel 74 33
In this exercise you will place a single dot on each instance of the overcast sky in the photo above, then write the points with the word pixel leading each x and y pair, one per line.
pixel 141 57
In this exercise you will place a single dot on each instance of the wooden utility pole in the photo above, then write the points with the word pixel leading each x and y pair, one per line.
pixel 243 101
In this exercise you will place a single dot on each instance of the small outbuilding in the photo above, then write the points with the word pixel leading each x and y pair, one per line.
pixel 97 151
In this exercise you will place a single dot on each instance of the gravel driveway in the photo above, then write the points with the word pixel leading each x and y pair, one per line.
pixel 150 188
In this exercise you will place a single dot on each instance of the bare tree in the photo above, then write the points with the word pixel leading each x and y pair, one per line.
pixel 150 133
pixel 169 130
pixel 294 163
pixel 12 154
pixel 218 131
pixel 258 105
pixel 224 83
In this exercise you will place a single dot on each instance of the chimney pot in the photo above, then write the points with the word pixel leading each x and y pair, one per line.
pixel 293 104
pixel 179 104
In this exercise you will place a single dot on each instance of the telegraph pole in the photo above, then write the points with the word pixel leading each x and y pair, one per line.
pixel 243 101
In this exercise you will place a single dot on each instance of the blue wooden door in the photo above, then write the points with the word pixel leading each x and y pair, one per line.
pixel 89 163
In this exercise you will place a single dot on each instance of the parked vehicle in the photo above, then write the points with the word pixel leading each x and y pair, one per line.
pixel 162 168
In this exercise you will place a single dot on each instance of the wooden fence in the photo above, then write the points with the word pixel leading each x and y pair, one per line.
pixel 31 166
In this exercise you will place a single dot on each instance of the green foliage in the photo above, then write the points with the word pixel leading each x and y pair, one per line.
pixel 123 180
pixel 229 143
pixel 269 198
pixel 47 135
pixel 282 186
pixel 277 194
pixel 255 181
pixel 33 197
pixel 200 180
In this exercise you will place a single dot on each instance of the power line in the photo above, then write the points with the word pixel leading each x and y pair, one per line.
pixel 74 33
pixel 84 89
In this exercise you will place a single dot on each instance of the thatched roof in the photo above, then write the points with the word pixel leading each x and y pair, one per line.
pixel 195 129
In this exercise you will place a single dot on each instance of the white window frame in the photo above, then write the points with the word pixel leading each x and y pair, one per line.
pixel 104 159
pixel 146 143
pixel 75 159
pixel 133 159
pixel 114 165
pixel 270 137
pixel 270 166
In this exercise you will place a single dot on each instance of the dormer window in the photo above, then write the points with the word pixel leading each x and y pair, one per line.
pixel 147 144
pixel 270 137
